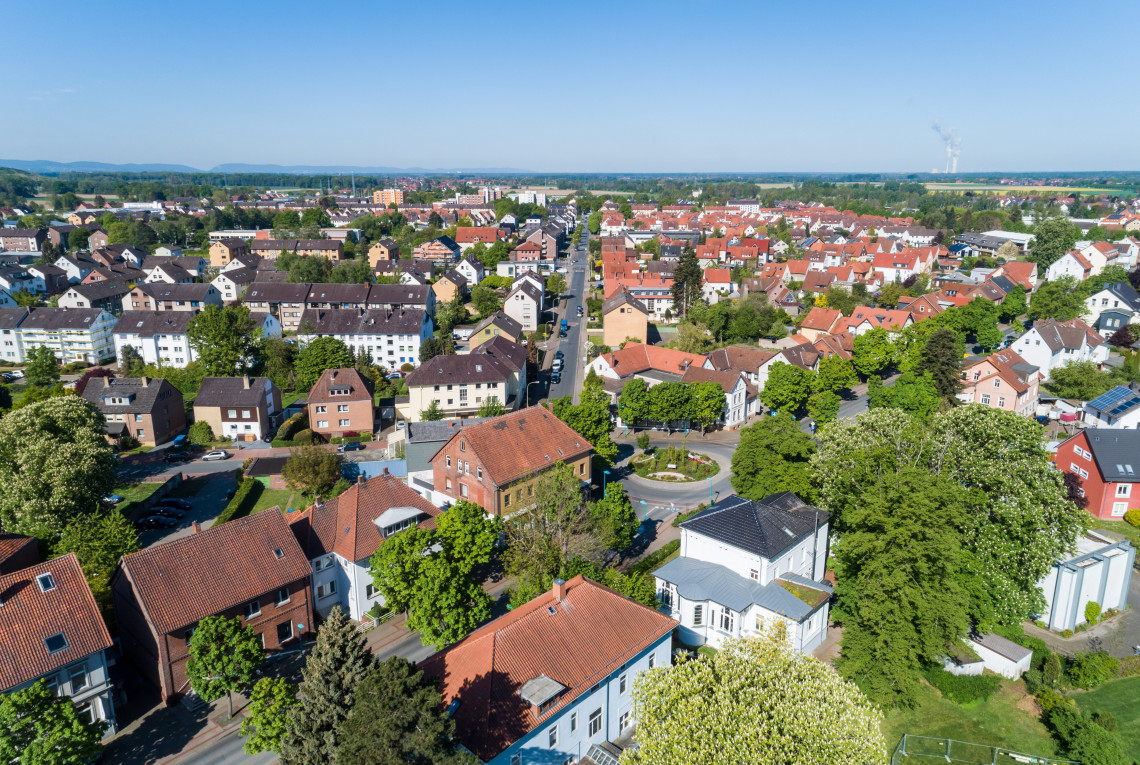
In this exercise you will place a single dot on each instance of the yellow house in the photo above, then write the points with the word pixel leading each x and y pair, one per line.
pixel 448 286
pixel 497 324
pixel 225 250
pixel 624 316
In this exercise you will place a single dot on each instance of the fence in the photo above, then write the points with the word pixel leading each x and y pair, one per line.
pixel 372 623
pixel 922 749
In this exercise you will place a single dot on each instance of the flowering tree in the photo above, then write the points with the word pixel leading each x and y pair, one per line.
pixel 758 699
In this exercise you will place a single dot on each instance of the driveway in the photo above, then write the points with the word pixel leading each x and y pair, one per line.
pixel 1118 635
pixel 209 500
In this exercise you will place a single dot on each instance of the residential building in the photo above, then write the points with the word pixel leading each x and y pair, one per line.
pixel 388 197
pixel 1099 572
pixel 822 321
pixel 740 399
pixel 495 463
pixel 251 568
pixel 1118 408
pixel 231 284
pixel 497 324
pixel 241 408
pixel 552 681
pixel 285 301
pixel 746 566
pixel 1051 343
pixel 441 248
pixel 159 337
pixel 624 317
pixel 341 403
pixel 340 536
pixel 471 269
pixel 53 631
pixel 53 278
pixel 392 337
pixel 1002 380
pixel 272 249
pixel 1115 306
pixel 223 251
pixel 524 304
pixel 652 363
pixel 460 385
pixel 400 296
pixel 383 250
pixel 106 295
pixel 449 286
pixel 166 273
pixel 171 297
pixel 17 552
pixel 149 410
pixel 75 334
pixel 468 236
pixel 1107 461
pixel 1072 264
pixel 23 239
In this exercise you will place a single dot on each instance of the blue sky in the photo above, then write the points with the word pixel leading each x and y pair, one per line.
pixel 574 87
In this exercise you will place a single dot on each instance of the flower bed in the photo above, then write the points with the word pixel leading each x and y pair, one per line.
pixel 675 465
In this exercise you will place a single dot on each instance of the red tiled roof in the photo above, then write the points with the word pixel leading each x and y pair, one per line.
pixel 180 582
pixel 29 616
pixel 591 633
pixel 345 525
pixel 11 545
pixel 358 388
pixel 822 319
pixel 638 357
pixel 519 443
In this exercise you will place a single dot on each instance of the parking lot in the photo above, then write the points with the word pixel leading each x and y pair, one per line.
pixel 207 497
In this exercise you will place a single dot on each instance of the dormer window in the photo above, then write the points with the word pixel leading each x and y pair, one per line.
pixel 55 643
pixel 46 582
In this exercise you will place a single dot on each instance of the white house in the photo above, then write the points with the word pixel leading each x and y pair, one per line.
pixel 524 305
pixel 1099 572
pixel 746 565
pixel 1119 408
pixel 75 334
pixel 1111 308
pixel 393 337
pixel 160 337
pixel 740 399
pixel 340 536
pixel 1073 264
pixel 1051 343
pixel 471 269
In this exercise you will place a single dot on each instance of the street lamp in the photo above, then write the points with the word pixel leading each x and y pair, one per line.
pixel 644 511
pixel 710 490
pixel 604 474
pixel 532 382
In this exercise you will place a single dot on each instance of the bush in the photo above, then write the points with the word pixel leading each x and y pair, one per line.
pixel 248 490
pixel 963 689
pixel 643 441
pixel 1092 612
pixel 654 559
pixel 200 433
pixel 682 517
pixel 1083 739
pixel 1105 720
pixel 1133 517
pixel 1049 700
pixel 1066 634
pixel 306 437
pixel 1088 670
pixel 1051 672
pixel 291 426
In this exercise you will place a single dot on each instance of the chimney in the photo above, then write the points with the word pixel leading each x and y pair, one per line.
pixel 361 478
pixel 196 527
pixel 107 382
pixel 245 382
pixel 559 590
pixel 145 381
pixel 385 471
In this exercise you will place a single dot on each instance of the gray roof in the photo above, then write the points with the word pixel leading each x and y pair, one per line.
pixel 1117 453
pixel 501 320
pixel 338 293
pixel 231 391
pixel 1001 646
pixel 434 431
pixel 101 290
pixel 164 291
pixel 700 580
pixel 141 394
pixel 277 292
pixel 511 353
pixel 764 527
pixel 469 368
pixel 61 318
pixel 151 323
pixel 620 298
pixel 398 294
pixel 10 318
pixel 374 321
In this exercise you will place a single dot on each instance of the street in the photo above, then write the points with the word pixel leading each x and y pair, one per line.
pixel 573 345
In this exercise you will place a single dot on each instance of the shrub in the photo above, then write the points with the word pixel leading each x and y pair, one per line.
pixel 1066 634
pixel 1092 612
pixel 200 433
pixel 306 437
pixel 1088 670
pixel 290 427
pixel 682 517
pixel 643 441
pixel 1033 681
pixel 1051 672
pixel 248 490
pixel 963 689
pixel 653 560
pixel 1133 517
pixel 1083 739
pixel 1105 720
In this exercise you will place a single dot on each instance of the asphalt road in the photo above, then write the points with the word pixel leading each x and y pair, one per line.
pixel 662 498
pixel 573 345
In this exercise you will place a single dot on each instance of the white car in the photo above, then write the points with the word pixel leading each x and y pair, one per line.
pixel 220 454
pixel 556 366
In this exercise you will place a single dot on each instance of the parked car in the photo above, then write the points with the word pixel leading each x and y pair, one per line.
pixel 112 499
pixel 399 424
pixel 350 446
pixel 175 456
pixel 556 377
pixel 557 365
pixel 157 522
pixel 14 374
pixel 558 354
pixel 168 512
pixel 218 454
pixel 395 376
pixel 181 504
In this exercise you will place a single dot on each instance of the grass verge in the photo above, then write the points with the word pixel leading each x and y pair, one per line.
pixel 1122 699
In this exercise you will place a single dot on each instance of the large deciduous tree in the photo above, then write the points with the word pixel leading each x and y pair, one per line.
pixel 42 368
pixel 225 655
pixel 835 374
pixel 614 519
pixel 311 470
pixel 633 404
pixel 707 403
pixel 1052 238
pixel 1061 300
pixel 54 465
pixel 224 339
pixel 872 352
pixel 320 354
pixel 267 716
pixel 37 727
pixel 773 456
pixel 589 418
pixel 758 699
pixel 787 387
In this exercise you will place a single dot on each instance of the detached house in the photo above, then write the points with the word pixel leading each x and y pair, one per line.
pixel 241 408
pixel 1002 380
pixel 739 397
pixel 1115 306
pixel 149 410
pixel 524 304
pixel 624 317
pixel 53 631
pixel 746 565
pixel 497 324
pixel 1117 408
pixel 461 385
pixel 1107 461
pixel 340 536
pixel 251 567
pixel 1051 344
pixel 340 403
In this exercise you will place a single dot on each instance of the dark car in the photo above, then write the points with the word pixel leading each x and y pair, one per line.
pixel 556 377
pixel 181 504
pixel 350 446
pixel 172 456
pixel 157 522
pixel 168 512
pixel 558 354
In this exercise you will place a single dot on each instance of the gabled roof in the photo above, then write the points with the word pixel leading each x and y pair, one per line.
pixel 577 642
pixel 519 443
pixel 764 527
pixel 232 392
pixel 510 353
pixel 1116 452
pixel 1065 334
pixel 727 380
pixel 639 357
pixel 503 322
pixel 822 319
pixel 620 297
pixel 454 370
pixel 151 323
pixel 347 525
pixel 12 545
pixel 745 358
pixel 140 394
pixel 29 616
pixel 107 288
pixel 183 581
pixel 354 387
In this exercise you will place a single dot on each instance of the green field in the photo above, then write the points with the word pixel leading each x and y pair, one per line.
pixel 279 497
pixel 997 722
pixel 1122 699
pixel 998 188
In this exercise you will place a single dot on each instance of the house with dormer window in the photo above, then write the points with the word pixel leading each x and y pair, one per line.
pixel 748 565
pixel 340 403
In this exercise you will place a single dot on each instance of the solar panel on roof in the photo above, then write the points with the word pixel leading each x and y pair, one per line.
pixel 1116 401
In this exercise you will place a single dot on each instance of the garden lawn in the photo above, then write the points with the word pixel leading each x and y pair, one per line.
pixel 1127 530
pixel 289 398
pixel 279 497
pixel 1122 699
pixel 997 722
pixel 132 493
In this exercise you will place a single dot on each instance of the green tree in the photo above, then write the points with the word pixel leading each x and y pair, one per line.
pixel 823 407
pixel 556 286
pixel 1014 305
pixel 98 540
pixel 225 656
pixel 590 418
pixel 396 565
pixel 670 402
pixel 1080 380
pixel 1052 238
pixel 200 433
pixel 39 728
pixel 633 404
pixel 492 407
pixel 688 280
pixel 760 700
pixel 320 354
pixel 130 362
pixel 267 716
pixel 398 718
pixel 446 604
pixel 338 662
pixel 941 358
pixel 904 583
pixel 77 238
pixel 278 358
pixel 485 300
pixel 315 217
pixel 433 412
pixel 450 314
pixel 312 470
pixel 594 222
pixel 42 369
pixel 614 519
pixel 1062 300
pixel 467 535
pixel 787 387
pixel 224 339
pixel 707 405
pixel 773 456
pixel 287 220
pixel 835 374
pixel 912 393
pixel 872 352
pixel 54 465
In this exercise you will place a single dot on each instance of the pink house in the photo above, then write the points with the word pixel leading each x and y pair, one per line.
pixel 1002 380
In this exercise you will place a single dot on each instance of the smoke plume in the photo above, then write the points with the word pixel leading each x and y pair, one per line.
pixel 953 144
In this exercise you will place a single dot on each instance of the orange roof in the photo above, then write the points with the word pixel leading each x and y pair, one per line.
pixel 718 275
pixel 639 357
pixel 822 319
pixel 473 234
pixel 576 641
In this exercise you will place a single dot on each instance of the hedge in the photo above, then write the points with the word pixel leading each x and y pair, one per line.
pixel 654 559
pixel 246 496
pixel 682 517
pixel 290 427
pixel 963 689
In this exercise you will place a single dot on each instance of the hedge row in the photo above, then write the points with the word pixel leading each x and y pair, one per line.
pixel 654 559
pixel 682 517
pixel 290 427
pixel 246 496
pixel 963 689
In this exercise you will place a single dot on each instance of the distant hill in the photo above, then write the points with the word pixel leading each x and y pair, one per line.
pixel 48 166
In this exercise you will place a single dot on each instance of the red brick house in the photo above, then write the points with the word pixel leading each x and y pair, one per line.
pixel 1107 461
pixel 250 567
pixel 341 402
pixel 495 463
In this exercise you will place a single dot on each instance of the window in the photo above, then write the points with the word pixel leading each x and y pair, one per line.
pixel 342 407
pixel 56 643
pixel 552 737
pixel 574 721
pixel 53 685
pixel 1119 508
pixel 232 414
pixel 506 499
pixel 985 398
pixel 1074 467
pixel 322 423
pixel 595 722
pixel 284 632
pixel 479 473
pixel 344 423
pixel 623 683
pixel 88 711
pixel 449 460
pixel 1084 473
pixel 370 591
pixel 463 490
pixel 516 759
pixel 77 677
pixel 1001 402
pixel 652 660
pixel 727 620
pixel 754 574
pixel 997 383
pixel 665 596
pixel 322 409
pixel 1123 489
pixel 623 721
pixel 252 609
pixel 282 596
pixel 46 582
